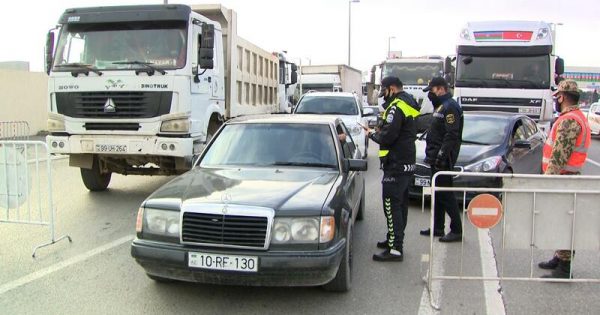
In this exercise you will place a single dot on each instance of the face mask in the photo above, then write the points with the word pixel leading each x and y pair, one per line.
pixel 435 100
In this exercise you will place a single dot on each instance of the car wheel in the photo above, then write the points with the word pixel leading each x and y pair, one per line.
pixel 360 215
pixel 159 279
pixel 343 279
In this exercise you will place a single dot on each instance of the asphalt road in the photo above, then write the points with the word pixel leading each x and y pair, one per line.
pixel 95 274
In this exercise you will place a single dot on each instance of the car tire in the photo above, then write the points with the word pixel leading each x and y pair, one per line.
pixel 360 214
pixel 93 179
pixel 159 279
pixel 343 278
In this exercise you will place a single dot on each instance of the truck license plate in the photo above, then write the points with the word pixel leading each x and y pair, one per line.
pixel 423 182
pixel 111 148
pixel 223 262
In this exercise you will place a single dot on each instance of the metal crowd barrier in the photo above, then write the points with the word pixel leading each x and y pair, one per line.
pixel 14 130
pixel 537 212
pixel 26 187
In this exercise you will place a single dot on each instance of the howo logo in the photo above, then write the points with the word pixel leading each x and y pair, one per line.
pixel 112 84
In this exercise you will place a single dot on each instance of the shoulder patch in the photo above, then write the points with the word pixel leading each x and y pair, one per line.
pixel 450 119
pixel 390 118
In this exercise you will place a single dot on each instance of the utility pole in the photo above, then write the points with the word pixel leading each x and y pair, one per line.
pixel 350 26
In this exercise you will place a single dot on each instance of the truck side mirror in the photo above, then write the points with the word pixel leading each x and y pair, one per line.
pixel 447 65
pixel 294 67
pixel 49 57
pixel 207 44
pixel 559 66
pixel 293 76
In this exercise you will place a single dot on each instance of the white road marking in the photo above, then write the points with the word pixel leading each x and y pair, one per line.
pixel 61 265
pixel 593 162
pixel 494 304
pixel 425 307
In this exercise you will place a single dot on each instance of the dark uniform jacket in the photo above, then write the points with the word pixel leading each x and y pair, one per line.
pixel 445 134
pixel 397 134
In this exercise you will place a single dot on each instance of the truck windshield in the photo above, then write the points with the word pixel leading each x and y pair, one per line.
pixel 328 105
pixel 529 72
pixel 304 145
pixel 101 45
pixel 413 73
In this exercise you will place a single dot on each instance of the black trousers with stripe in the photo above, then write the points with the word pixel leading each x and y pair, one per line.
pixel 395 206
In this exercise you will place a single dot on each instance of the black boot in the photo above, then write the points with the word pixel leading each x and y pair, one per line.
pixel 390 254
pixel 550 264
pixel 561 272
pixel 427 232
pixel 383 244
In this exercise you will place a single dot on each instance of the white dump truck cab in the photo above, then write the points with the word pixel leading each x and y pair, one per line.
pixel 508 66
pixel 140 89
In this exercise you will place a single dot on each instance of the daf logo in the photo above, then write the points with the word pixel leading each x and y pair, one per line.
pixel 109 106
pixel 469 99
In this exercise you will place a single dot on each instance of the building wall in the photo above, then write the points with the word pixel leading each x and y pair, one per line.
pixel 23 97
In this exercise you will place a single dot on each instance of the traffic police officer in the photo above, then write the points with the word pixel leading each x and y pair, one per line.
pixel 443 144
pixel 396 137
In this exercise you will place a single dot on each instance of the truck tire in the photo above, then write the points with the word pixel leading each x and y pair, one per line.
pixel 93 179
pixel 343 279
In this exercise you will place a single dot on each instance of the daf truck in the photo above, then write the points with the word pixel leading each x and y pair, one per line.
pixel 139 90
pixel 508 66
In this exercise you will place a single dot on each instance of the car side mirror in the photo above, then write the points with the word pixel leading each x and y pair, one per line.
pixel 522 144
pixel 355 165
pixel 368 112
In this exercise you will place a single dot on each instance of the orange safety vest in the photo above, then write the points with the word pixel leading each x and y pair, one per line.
pixel 579 154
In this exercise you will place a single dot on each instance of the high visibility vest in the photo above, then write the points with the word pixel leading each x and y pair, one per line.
pixel 406 109
pixel 579 154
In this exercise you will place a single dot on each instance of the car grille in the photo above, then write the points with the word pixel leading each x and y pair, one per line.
pixel 126 104
pixel 224 230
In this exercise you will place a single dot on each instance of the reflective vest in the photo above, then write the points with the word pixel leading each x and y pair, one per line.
pixel 579 154
pixel 406 109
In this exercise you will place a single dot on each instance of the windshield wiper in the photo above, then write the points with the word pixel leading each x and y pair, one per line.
pixel 149 68
pixel 475 142
pixel 307 164
pixel 81 68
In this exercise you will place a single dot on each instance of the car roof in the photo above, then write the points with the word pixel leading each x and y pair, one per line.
pixel 339 94
pixel 287 118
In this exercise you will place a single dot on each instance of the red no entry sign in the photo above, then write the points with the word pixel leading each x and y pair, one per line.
pixel 484 211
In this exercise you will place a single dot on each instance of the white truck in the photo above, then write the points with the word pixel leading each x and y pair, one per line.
pixel 415 73
pixel 331 78
pixel 139 90
pixel 508 66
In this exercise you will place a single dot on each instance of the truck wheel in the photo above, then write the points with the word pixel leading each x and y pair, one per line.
pixel 343 279
pixel 93 179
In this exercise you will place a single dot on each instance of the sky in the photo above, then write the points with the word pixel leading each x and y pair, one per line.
pixel 316 31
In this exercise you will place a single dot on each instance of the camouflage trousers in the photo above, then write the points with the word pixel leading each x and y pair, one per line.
pixel 564 254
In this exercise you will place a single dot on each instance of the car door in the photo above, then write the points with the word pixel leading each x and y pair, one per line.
pixel 353 185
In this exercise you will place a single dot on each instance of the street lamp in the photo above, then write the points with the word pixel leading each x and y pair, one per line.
pixel 389 47
pixel 350 24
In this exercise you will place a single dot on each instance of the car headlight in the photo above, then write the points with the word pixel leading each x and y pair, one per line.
pixel 485 165
pixel 301 230
pixel 355 130
pixel 175 125
pixel 160 222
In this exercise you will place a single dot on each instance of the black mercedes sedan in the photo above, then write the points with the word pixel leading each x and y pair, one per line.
pixel 272 201
pixel 492 142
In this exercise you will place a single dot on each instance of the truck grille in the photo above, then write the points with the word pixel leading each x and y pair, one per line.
pixel 113 104
pixel 224 230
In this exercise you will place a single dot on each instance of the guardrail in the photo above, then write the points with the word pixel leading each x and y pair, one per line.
pixel 14 130
pixel 534 212
pixel 26 186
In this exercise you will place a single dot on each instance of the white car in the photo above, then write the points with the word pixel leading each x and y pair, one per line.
pixel 343 105
pixel 593 116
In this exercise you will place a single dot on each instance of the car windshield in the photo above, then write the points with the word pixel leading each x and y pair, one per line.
pixel 336 105
pixel 267 144
pixel 113 46
pixel 484 130
pixel 531 72
pixel 413 73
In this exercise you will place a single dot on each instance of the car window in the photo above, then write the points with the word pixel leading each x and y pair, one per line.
pixel 245 144
pixel 520 131
pixel 347 143
pixel 484 130
pixel 335 105
pixel 531 126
